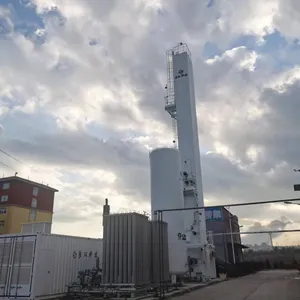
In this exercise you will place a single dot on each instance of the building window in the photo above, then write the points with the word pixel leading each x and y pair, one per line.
pixel 35 191
pixel 34 203
pixel 1 224
pixel 4 198
pixel 2 211
pixel 33 215
pixel 5 186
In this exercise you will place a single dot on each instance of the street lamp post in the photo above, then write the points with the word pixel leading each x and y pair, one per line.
pixel 241 258
pixel 231 236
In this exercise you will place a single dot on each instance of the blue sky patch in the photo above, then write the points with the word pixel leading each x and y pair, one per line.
pixel 22 127
pixel 24 16
pixel 210 50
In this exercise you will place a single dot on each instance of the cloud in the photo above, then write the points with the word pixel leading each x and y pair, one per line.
pixel 1 129
pixel 286 18
pixel 82 101
pixel 125 160
pixel 274 225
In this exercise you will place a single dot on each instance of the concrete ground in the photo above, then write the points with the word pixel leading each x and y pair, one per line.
pixel 265 285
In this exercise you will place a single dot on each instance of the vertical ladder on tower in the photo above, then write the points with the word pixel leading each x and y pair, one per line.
pixel 170 105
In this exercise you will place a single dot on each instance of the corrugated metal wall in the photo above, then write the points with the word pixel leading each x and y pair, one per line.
pixel 159 252
pixel 66 255
pixel 126 249
pixel 42 227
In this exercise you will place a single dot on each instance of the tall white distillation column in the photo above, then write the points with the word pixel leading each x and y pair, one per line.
pixel 180 104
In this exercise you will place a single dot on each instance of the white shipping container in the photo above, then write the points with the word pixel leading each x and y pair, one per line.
pixel 36 266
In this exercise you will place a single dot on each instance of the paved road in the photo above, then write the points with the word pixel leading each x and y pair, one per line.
pixel 265 285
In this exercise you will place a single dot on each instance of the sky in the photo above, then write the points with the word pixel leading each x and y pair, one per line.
pixel 82 102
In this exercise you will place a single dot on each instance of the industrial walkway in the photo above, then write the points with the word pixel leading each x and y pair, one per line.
pixel 265 285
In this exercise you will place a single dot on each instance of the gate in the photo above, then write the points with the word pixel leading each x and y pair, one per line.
pixel 16 265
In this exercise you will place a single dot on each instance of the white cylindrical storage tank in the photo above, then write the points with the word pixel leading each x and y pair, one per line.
pixel 167 192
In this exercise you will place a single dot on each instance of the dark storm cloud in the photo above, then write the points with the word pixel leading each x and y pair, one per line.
pixel 276 133
pixel 220 174
pixel 127 160
pixel 71 148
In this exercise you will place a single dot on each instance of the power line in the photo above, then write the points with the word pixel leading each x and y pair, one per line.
pixel 256 232
pixel 2 163
pixel 10 156
pixel 228 205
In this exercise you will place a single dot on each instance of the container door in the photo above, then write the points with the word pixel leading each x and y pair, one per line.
pixel 44 273
pixel 21 266
pixel 6 249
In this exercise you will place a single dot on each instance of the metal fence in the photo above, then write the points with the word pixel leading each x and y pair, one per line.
pixel 255 266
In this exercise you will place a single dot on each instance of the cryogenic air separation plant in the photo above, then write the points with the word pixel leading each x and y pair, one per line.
pixel 176 180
